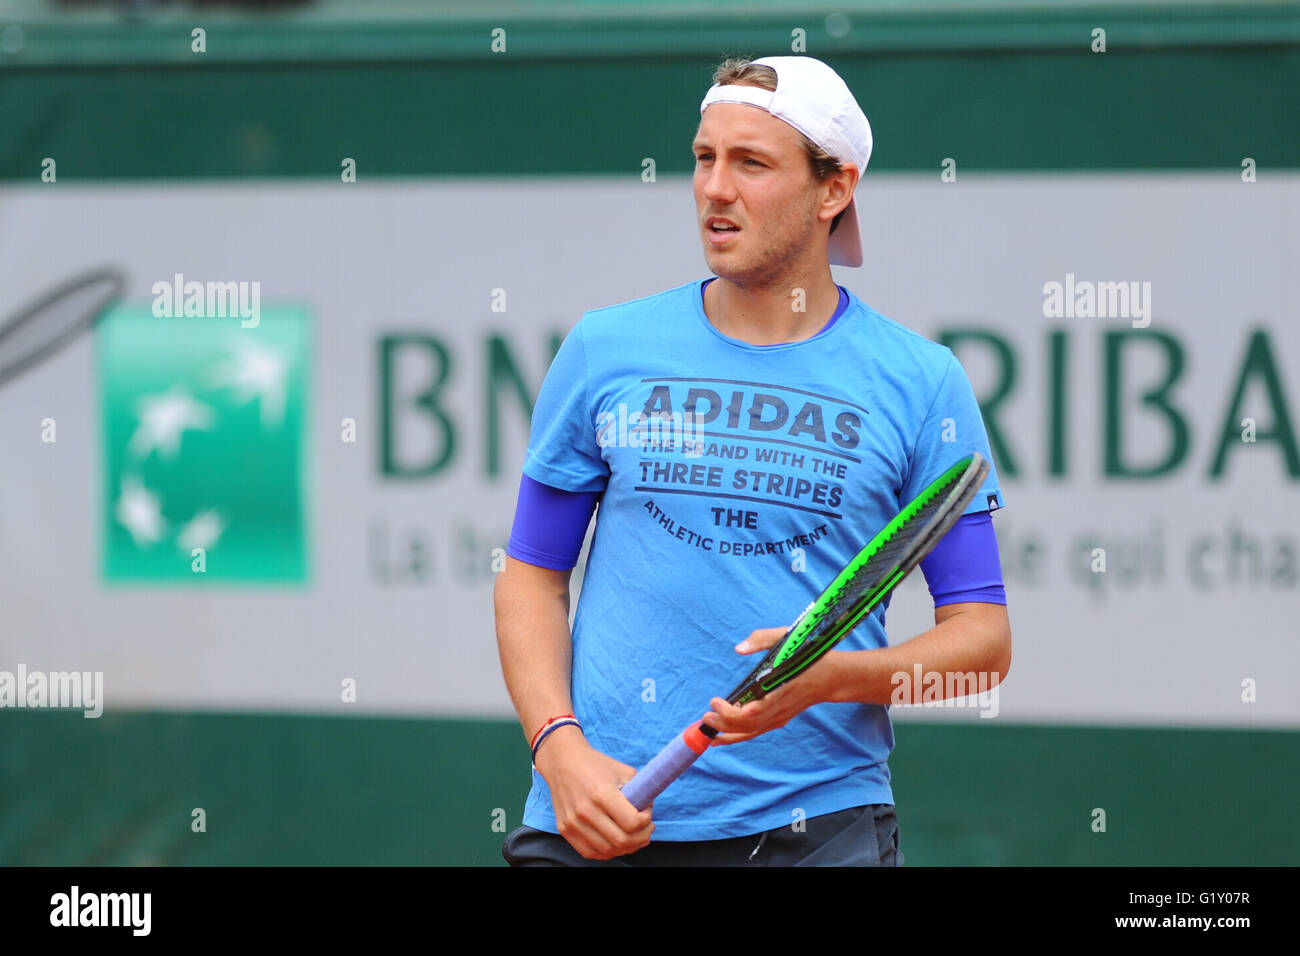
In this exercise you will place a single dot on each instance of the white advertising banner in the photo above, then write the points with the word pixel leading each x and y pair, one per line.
pixel 278 474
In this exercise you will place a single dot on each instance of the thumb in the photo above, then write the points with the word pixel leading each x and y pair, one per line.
pixel 761 639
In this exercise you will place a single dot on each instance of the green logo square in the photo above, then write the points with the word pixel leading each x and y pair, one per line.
pixel 204 425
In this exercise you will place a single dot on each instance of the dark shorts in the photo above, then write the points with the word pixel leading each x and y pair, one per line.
pixel 861 836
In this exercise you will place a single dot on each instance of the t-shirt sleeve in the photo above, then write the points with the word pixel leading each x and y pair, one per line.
pixel 951 430
pixel 563 451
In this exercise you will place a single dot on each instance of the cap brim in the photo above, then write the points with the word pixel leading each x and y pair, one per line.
pixel 845 245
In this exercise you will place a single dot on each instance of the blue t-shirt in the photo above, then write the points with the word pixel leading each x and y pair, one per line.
pixel 793 456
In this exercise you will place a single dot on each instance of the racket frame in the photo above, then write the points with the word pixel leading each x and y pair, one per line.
pixel 797 650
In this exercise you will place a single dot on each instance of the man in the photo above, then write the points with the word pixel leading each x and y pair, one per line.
pixel 792 422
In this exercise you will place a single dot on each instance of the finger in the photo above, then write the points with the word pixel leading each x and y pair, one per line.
pixel 727 710
pixel 728 717
pixel 593 821
pixel 751 723
pixel 722 740
pixel 641 837
pixel 621 808
pixel 715 721
pixel 621 811
pixel 615 836
pixel 635 841
pixel 586 841
pixel 761 639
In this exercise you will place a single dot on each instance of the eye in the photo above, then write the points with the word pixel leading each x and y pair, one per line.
pixel 755 162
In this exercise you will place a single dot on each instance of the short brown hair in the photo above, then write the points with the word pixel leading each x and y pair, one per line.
pixel 739 71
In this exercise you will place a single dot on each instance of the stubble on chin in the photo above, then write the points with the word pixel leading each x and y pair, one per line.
pixel 772 268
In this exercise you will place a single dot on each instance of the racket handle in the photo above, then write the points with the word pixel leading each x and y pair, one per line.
pixel 670 763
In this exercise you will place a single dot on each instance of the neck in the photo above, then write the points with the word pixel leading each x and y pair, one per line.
pixel 772 313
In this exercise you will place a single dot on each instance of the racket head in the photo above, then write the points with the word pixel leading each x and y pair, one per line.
pixel 866 580
pixel 45 325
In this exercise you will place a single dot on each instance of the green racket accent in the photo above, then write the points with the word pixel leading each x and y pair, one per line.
pixel 888 558
pixel 848 625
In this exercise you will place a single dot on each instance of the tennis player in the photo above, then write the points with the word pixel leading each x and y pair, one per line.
pixel 744 435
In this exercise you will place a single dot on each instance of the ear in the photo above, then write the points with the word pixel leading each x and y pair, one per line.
pixel 838 191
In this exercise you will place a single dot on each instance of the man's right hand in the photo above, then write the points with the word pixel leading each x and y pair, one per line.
pixel 590 811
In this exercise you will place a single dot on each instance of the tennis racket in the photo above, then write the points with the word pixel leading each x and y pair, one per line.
pixel 876 570
pixel 45 325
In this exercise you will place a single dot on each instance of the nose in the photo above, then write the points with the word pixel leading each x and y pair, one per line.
pixel 718 185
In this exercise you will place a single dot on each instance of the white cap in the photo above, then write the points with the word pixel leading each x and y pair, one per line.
pixel 812 98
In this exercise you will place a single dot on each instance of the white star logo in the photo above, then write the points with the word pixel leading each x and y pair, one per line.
pixel 139 512
pixel 256 372
pixel 162 420
pixel 201 531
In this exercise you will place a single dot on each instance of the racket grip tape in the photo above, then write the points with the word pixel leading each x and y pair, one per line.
pixel 669 764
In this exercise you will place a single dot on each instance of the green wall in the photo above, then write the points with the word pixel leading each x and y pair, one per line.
pixel 291 790
pixel 999 89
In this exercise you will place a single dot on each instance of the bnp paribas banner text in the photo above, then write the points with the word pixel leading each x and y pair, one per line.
pixel 280 472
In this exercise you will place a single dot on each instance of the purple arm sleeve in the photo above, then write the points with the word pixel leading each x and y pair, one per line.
pixel 964 566
pixel 550 524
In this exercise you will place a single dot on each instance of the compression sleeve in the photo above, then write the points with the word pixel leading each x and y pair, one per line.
pixel 964 565
pixel 550 525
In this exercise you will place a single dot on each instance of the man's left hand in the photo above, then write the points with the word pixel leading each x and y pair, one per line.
pixel 777 708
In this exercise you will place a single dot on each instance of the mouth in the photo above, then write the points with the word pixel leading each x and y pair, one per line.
pixel 720 231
